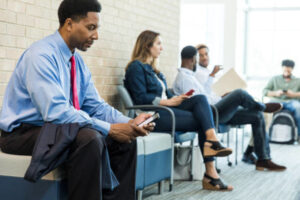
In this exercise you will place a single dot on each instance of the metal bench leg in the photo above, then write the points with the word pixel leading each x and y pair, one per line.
pixel 161 187
pixel 139 194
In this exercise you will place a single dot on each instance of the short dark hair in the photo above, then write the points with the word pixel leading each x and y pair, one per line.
pixel 288 63
pixel 201 46
pixel 76 9
pixel 188 52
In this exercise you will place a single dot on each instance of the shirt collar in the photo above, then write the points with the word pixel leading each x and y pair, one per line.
pixel 63 47
pixel 202 68
pixel 186 71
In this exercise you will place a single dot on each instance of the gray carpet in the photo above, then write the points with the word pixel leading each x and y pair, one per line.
pixel 248 183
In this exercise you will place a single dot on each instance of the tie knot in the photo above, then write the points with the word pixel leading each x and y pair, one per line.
pixel 72 59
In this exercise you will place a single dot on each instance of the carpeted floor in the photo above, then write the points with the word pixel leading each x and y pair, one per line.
pixel 248 183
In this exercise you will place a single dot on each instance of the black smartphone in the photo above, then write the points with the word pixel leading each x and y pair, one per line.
pixel 150 119
pixel 284 91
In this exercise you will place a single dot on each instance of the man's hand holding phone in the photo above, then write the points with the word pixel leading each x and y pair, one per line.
pixel 126 132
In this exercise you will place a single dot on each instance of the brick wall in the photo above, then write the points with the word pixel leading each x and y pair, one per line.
pixel 24 21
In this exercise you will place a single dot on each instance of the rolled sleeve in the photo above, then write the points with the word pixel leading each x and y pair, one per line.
pixel 156 101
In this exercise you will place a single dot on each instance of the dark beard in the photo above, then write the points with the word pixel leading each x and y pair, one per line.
pixel 194 68
pixel 287 77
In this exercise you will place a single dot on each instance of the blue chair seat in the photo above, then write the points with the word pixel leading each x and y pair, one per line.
pixel 181 137
pixel 223 128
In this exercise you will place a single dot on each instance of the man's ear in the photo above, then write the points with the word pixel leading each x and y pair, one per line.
pixel 69 24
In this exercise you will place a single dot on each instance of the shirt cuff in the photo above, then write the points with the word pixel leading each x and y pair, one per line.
pixel 123 119
pixel 101 126
pixel 210 81
pixel 156 101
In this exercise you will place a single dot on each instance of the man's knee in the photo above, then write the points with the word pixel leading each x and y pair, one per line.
pixel 296 105
pixel 91 137
pixel 239 92
pixel 114 145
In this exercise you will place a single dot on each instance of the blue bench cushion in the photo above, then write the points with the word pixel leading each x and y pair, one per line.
pixel 153 159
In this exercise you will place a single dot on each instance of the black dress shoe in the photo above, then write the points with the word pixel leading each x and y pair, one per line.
pixel 249 158
pixel 273 107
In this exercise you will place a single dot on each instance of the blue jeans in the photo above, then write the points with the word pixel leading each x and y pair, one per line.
pixel 294 107
pixel 239 108
pixel 193 114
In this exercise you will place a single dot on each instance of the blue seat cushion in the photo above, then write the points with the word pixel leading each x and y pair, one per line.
pixel 184 136
pixel 223 128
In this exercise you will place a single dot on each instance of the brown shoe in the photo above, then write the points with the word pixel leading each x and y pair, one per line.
pixel 215 148
pixel 262 165
pixel 272 107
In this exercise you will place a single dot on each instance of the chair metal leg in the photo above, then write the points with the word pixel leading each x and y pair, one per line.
pixel 216 166
pixel 236 144
pixel 192 160
pixel 243 138
pixel 228 157
pixel 161 187
pixel 170 187
pixel 139 194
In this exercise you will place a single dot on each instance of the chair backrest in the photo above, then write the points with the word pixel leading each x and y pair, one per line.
pixel 126 100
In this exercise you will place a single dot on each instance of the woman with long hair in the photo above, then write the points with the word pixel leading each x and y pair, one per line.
pixel 147 85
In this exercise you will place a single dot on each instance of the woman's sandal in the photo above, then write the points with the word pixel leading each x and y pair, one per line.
pixel 216 149
pixel 214 184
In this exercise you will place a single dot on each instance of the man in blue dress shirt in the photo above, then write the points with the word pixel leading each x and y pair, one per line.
pixel 40 90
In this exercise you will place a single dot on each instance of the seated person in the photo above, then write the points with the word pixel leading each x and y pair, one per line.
pixel 285 88
pixel 147 85
pixel 41 89
pixel 229 107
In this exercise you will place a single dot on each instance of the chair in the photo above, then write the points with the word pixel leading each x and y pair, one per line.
pixel 176 137
pixel 225 129
pixel 13 186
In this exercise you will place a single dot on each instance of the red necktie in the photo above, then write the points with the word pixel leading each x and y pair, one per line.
pixel 73 84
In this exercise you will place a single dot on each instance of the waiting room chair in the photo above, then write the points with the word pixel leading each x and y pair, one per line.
pixel 176 137
pixel 226 129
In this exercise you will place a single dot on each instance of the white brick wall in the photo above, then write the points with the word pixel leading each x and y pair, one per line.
pixel 24 21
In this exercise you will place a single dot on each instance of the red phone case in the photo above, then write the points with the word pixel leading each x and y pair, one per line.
pixel 189 93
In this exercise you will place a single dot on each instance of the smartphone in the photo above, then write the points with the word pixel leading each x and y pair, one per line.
pixel 284 91
pixel 189 93
pixel 149 120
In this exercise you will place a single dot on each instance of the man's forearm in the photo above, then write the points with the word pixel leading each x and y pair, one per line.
pixel 271 94
pixel 295 95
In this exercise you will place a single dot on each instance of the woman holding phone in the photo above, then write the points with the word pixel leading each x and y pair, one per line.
pixel 147 85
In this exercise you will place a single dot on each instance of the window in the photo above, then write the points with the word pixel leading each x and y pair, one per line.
pixel 203 23
pixel 272 36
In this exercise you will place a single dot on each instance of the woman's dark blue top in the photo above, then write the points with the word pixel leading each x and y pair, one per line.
pixel 142 84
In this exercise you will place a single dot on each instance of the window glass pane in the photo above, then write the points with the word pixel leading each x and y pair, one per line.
pixel 203 23
pixel 261 3
pixel 273 3
pixel 273 35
